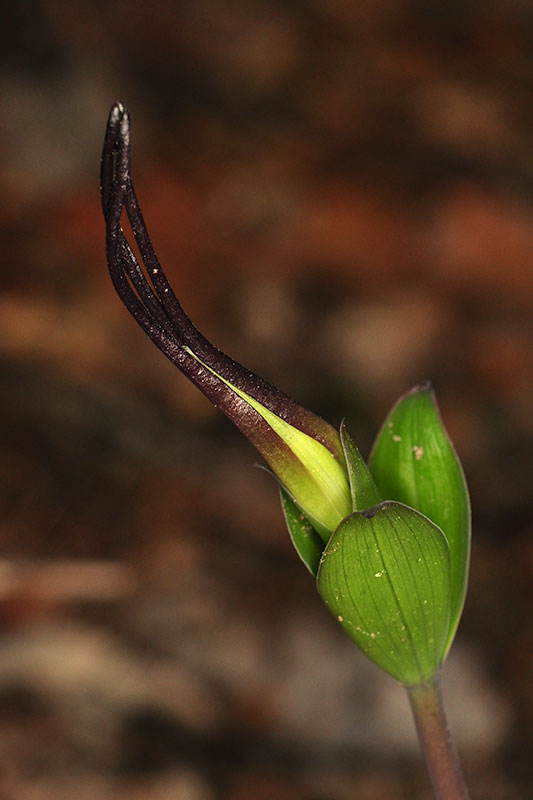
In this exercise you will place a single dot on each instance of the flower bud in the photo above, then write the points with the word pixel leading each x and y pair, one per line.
pixel 302 450
pixel 310 467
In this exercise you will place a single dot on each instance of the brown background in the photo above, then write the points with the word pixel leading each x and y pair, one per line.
pixel 342 194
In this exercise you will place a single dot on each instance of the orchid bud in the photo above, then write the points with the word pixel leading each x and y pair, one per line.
pixel 389 542
pixel 303 451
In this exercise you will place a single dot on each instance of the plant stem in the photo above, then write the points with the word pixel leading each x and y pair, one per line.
pixel 436 742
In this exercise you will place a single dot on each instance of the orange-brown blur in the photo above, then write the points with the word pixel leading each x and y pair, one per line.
pixel 342 195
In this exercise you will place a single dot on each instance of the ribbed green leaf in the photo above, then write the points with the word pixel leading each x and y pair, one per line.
pixel 385 575
pixel 413 461
pixel 362 486
pixel 305 539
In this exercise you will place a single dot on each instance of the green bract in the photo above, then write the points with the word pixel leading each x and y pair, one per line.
pixel 362 487
pixel 413 461
pixel 304 537
pixel 385 575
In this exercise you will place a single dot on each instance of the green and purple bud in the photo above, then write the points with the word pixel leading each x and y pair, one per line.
pixel 389 542
pixel 303 451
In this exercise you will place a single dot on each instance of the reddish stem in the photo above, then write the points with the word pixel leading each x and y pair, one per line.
pixel 436 742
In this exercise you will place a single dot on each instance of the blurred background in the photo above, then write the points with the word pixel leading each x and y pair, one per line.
pixel 342 195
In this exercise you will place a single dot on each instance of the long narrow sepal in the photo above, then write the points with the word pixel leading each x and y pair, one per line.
pixel 156 293
pixel 303 450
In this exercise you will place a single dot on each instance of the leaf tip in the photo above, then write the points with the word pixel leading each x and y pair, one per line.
pixel 424 387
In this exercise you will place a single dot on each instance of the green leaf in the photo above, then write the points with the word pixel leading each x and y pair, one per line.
pixel 362 486
pixel 305 539
pixel 414 462
pixel 385 575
